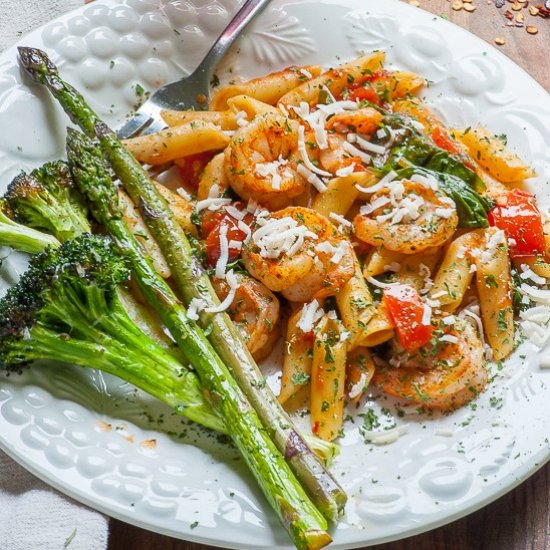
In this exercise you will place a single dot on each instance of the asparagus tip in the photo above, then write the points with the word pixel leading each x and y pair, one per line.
pixel 35 62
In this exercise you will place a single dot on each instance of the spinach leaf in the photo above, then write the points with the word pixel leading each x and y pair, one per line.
pixel 441 161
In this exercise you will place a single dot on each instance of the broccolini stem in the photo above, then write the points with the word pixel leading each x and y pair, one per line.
pixel 305 525
pixel 22 238
pixel 192 282
pixel 166 380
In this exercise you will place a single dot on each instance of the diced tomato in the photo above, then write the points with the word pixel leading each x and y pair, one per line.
pixel 521 220
pixel 365 94
pixel 377 75
pixel 234 233
pixel 191 167
pixel 406 311
pixel 209 220
pixel 443 140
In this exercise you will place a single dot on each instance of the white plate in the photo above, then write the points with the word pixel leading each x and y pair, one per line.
pixel 55 421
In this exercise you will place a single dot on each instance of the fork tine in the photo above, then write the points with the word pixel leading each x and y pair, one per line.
pixel 155 126
pixel 134 126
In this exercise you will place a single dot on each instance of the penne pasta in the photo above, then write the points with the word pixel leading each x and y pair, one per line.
pixel 269 88
pixel 180 207
pixel 226 120
pixel 492 155
pixel 359 372
pixel 213 175
pixel 335 80
pixel 297 361
pixel 250 106
pixel 379 329
pixel 132 216
pixel 494 287
pixel 179 141
pixel 356 307
pixel 328 377
pixel 339 196
pixel 455 274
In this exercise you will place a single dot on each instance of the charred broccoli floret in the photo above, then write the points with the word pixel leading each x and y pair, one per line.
pixel 47 200
pixel 66 308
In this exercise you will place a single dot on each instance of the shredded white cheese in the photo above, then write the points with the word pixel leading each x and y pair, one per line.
pixel 213 203
pixel 311 313
pixel 195 306
pixel 312 178
pixel 233 283
pixel 241 118
pixel 272 170
pixel 427 181
pixel 366 145
pixel 357 389
pixel 305 157
pixel 221 264
pixel 340 219
pixel 345 171
pixel 380 284
pixel 427 315
pixel 528 273
pixel 356 152
pixel 388 178
pixel 281 236
pixel 387 436
pixel 449 338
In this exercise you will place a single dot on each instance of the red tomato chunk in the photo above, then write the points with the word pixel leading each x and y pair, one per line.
pixel 406 310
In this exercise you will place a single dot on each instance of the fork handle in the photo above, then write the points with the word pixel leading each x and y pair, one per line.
pixel 242 18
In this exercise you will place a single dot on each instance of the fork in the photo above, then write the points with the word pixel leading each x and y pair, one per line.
pixel 190 92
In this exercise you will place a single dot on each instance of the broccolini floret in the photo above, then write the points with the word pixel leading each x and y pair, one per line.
pixel 66 308
pixel 47 200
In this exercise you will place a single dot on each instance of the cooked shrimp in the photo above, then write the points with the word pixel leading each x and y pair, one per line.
pixel 363 121
pixel 335 157
pixel 406 217
pixel 255 312
pixel 298 252
pixel 445 375
pixel 261 161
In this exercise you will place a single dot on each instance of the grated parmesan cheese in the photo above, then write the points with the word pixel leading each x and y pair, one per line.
pixel 312 178
pixel 356 152
pixel 233 283
pixel 366 145
pixel 212 203
pixel 380 284
pixel 195 306
pixel 221 264
pixel 357 389
pixel 311 313
pixel 305 157
pixel 427 315
pixel 345 171
pixel 272 170
pixel 281 236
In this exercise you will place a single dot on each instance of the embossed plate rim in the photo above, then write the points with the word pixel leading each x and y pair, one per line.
pixel 181 530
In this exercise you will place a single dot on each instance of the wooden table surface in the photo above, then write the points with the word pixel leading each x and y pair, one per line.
pixel 519 520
